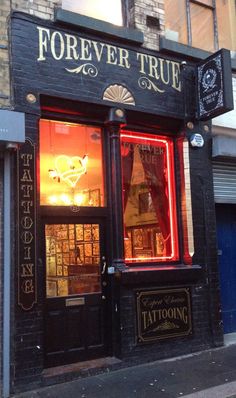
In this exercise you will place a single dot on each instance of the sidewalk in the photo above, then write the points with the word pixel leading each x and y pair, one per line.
pixel 208 374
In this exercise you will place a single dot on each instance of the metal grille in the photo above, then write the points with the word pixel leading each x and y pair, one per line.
pixel 224 177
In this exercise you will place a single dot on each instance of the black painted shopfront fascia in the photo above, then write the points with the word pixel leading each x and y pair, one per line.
pixel 64 76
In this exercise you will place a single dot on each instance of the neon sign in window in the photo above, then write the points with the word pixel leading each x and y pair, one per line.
pixel 71 165
pixel 149 203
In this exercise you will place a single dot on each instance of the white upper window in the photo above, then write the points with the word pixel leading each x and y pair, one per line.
pixel 105 10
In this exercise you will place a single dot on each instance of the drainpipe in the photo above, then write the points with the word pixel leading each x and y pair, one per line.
pixel 6 272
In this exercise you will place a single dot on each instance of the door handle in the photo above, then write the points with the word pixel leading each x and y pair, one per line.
pixel 104 267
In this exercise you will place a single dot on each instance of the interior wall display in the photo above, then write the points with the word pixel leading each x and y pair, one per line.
pixel 72 259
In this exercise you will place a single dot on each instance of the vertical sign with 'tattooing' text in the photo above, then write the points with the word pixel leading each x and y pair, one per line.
pixel 27 287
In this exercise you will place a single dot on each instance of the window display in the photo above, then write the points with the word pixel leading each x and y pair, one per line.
pixel 71 169
pixel 148 198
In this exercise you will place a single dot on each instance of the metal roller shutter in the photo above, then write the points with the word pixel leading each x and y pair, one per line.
pixel 224 177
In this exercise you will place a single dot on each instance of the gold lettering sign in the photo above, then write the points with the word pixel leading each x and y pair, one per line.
pixel 163 314
pixel 27 290
pixel 155 73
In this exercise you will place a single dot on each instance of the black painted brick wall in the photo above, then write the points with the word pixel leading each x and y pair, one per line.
pixel 27 326
pixel 170 347
pixel 204 223
pixel 206 315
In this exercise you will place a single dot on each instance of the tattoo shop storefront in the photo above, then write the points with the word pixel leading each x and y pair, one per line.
pixel 115 230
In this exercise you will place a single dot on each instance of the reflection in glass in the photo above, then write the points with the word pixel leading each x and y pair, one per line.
pixel 202 26
pixel 105 10
pixel 176 21
pixel 72 259
pixel 148 198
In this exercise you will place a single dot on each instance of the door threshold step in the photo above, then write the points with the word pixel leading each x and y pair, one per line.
pixel 61 374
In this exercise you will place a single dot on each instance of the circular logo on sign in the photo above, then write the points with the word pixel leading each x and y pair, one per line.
pixel 209 79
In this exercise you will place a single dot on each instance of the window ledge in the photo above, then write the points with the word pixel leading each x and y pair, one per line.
pixel 94 25
pixel 162 274
pixel 171 46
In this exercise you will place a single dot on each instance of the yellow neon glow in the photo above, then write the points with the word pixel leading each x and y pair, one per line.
pixel 69 169
pixel 53 199
pixel 79 199
pixel 66 199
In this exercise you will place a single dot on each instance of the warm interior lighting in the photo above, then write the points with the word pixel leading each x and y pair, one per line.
pixel 69 169
pixel 53 200
pixel 71 164
pixel 105 10
pixel 79 199
pixel 149 198
pixel 66 199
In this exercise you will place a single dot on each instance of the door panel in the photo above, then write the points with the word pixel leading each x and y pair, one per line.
pixel 75 306
pixel 226 234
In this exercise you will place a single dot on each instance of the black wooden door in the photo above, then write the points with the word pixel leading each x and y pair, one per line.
pixel 75 305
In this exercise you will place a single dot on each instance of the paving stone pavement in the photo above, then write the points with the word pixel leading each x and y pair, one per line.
pixel 208 374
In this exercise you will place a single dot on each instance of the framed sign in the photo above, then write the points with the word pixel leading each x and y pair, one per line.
pixel 27 286
pixel 214 85
pixel 163 313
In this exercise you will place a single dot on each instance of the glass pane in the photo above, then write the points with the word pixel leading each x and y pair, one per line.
pixel 176 21
pixel 148 198
pixel 71 171
pixel 202 27
pixel 105 10
pixel 226 23
pixel 72 259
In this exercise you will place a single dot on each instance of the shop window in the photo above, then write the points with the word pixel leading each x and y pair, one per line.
pixel 205 24
pixel 71 168
pixel 105 10
pixel 149 205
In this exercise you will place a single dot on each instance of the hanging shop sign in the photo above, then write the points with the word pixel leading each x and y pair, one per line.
pixel 62 63
pixel 27 289
pixel 12 126
pixel 214 85
pixel 164 313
